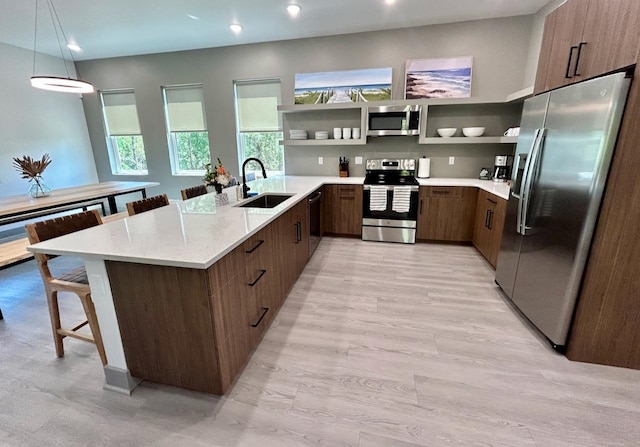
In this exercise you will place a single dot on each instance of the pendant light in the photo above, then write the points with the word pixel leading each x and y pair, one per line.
pixel 56 83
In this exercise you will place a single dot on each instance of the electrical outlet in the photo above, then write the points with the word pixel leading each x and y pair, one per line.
pixel 320 160
pixel 358 160
pixel 452 160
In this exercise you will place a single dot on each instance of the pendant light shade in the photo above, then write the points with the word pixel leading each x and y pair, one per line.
pixel 56 83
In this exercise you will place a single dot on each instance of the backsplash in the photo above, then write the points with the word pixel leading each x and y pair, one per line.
pixel 469 159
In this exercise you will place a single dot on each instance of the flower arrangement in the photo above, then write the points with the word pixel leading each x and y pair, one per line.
pixel 32 169
pixel 218 177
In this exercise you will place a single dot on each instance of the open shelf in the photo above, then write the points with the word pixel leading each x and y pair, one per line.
pixel 469 140
pixel 331 142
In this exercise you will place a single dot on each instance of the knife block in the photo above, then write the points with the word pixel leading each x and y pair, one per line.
pixel 344 170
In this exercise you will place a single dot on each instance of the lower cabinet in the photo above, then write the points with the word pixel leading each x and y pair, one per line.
pixel 196 329
pixel 446 213
pixel 489 223
pixel 342 210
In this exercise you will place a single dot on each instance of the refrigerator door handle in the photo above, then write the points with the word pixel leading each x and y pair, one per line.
pixel 530 169
pixel 536 136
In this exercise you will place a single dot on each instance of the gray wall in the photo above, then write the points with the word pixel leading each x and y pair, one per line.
pixel 34 121
pixel 499 48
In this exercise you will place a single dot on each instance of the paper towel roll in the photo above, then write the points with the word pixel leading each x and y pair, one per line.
pixel 424 166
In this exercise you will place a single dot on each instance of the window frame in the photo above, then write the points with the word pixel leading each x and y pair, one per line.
pixel 240 150
pixel 172 141
pixel 111 140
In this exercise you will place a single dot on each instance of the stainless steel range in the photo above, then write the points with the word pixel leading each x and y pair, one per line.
pixel 390 201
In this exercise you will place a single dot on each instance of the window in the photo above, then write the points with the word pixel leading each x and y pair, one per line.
pixel 124 139
pixel 258 123
pixel 186 129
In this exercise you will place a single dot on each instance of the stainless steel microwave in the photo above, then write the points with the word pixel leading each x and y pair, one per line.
pixel 393 120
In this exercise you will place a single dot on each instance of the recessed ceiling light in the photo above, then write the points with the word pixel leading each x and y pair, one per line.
pixel 235 27
pixel 74 47
pixel 293 9
pixel 191 16
pixel 390 2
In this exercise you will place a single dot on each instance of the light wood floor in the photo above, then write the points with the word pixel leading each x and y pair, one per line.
pixel 377 345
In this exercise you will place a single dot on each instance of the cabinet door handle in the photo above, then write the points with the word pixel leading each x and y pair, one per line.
pixel 264 312
pixel 298 238
pixel 260 242
pixel 486 219
pixel 575 72
pixel 490 220
pixel 262 272
pixel 567 74
pixel 421 206
pixel 492 201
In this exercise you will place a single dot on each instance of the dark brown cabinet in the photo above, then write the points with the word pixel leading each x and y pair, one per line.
pixel 196 328
pixel 446 213
pixel 586 38
pixel 342 209
pixel 489 223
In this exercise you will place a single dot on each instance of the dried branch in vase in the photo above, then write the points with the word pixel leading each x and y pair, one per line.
pixel 32 169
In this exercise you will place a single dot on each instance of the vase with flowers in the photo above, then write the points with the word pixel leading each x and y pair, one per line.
pixel 32 169
pixel 218 176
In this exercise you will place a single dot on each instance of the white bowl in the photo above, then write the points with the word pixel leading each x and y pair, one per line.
pixel 447 132
pixel 472 131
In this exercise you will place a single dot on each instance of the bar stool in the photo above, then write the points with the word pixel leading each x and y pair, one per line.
pixel 74 281
pixel 148 204
pixel 192 192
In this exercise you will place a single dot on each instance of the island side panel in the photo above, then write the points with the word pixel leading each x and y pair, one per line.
pixel 165 324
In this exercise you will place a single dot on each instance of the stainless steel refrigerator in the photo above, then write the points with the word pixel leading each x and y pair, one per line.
pixel 562 159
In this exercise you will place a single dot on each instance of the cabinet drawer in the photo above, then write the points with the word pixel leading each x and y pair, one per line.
pixel 347 191
pixel 443 192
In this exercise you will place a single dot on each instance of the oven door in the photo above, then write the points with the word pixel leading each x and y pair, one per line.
pixel 388 225
pixel 389 216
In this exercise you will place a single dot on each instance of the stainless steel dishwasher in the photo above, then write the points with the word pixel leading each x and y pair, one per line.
pixel 314 211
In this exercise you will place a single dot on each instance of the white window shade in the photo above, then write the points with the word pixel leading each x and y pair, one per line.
pixel 120 113
pixel 185 109
pixel 257 105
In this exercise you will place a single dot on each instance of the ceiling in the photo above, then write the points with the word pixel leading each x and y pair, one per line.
pixel 127 27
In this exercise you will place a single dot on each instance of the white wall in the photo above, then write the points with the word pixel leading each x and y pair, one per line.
pixel 499 48
pixel 34 121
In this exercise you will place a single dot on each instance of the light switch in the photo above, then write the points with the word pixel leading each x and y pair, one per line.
pixel 452 160
pixel 320 160
pixel 358 160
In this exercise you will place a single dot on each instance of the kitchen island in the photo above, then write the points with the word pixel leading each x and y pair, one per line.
pixel 177 289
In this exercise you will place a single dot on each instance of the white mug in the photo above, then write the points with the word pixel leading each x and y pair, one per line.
pixel 355 132
pixel 337 133
pixel 346 133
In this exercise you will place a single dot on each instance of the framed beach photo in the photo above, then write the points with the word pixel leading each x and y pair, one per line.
pixel 438 78
pixel 373 84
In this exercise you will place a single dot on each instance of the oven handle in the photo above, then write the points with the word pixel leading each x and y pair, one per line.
pixel 390 187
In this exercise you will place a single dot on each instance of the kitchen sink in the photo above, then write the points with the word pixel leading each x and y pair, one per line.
pixel 266 201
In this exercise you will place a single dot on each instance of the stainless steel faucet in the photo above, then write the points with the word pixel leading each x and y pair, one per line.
pixel 245 188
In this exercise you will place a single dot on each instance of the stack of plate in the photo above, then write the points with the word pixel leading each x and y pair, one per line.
pixel 322 135
pixel 298 134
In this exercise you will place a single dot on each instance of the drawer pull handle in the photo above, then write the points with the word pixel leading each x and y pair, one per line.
pixel 262 272
pixel 441 192
pixel 264 312
pixel 492 201
pixel 490 220
pixel 260 242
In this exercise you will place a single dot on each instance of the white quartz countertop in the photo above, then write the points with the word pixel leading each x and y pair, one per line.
pixel 196 233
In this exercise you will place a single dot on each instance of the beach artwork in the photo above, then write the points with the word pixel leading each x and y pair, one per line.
pixel 438 78
pixel 343 86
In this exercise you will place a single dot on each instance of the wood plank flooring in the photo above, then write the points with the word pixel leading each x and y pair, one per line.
pixel 377 345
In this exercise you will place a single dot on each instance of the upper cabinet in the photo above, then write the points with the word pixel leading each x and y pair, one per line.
pixel 586 38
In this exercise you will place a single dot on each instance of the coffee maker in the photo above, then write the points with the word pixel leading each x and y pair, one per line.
pixel 502 168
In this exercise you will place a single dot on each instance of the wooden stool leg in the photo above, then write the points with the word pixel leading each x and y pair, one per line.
pixel 54 313
pixel 90 310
